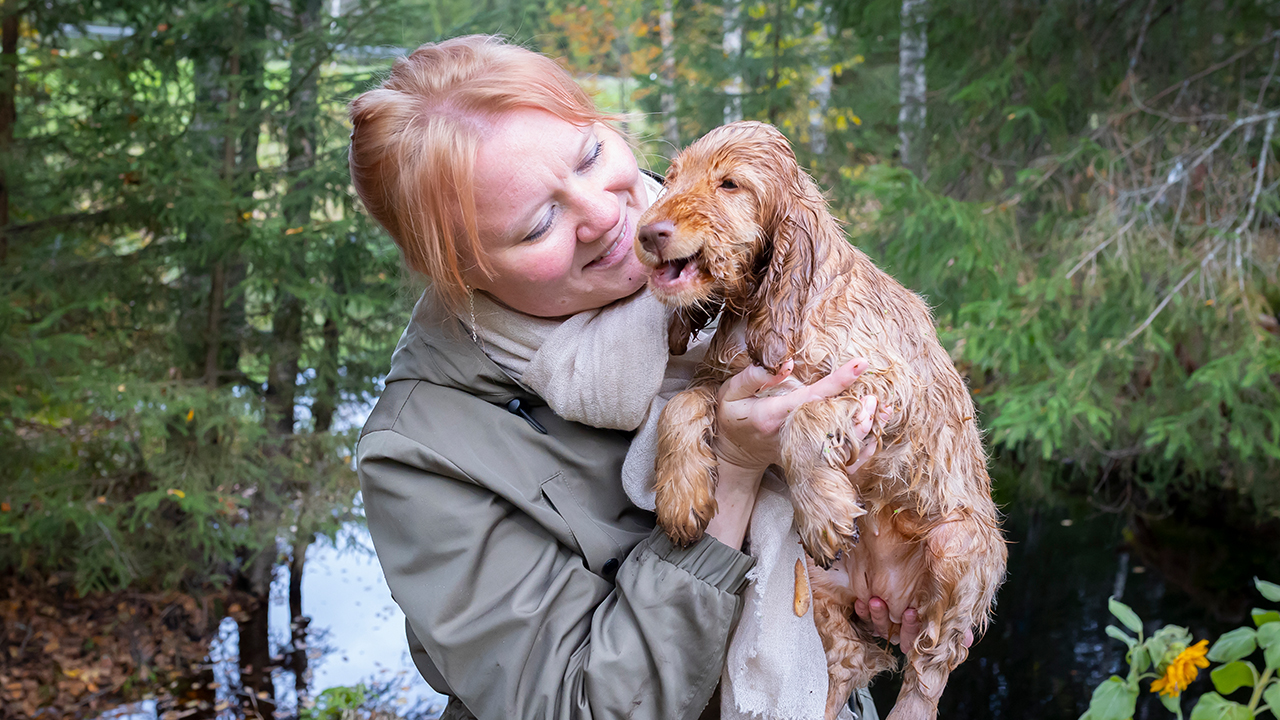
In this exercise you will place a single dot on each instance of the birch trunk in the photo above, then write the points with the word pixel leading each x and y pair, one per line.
pixel 820 96
pixel 913 47
pixel 732 45
pixel 667 36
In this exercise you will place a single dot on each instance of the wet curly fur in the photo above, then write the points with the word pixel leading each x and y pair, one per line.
pixel 743 229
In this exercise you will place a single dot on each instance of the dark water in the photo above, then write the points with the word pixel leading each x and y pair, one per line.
pixel 1047 649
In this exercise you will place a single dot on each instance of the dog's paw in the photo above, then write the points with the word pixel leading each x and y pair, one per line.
pixel 685 527
pixel 826 543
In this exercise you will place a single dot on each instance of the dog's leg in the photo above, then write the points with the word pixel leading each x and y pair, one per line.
pixel 853 657
pixel 965 562
pixel 684 479
pixel 818 441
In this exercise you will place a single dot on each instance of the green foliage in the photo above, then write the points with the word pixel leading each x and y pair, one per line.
pixel 1171 660
pixel 179 188
pixel 336 703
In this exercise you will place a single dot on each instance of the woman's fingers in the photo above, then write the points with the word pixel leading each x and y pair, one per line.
pixel 862 421
pixel 831 385
pixel 862 426
pixel 880 620
pixel 910 630
pixel 752 381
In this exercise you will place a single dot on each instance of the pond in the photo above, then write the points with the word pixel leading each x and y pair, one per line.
pixel 1046 649
pixel 1041 658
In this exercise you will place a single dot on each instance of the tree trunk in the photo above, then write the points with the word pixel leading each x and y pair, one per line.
pixel 300 128
pixel 913 47
pixel 667 36
pixel 775 72
pixel 8 111
pixel 820 96
pixel 298 622
pixel 255 637
pixel 205 235
pixel 732 46
pixel 213 328
pixel 327 391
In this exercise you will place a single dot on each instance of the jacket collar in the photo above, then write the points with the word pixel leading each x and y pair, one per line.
pixel 437 347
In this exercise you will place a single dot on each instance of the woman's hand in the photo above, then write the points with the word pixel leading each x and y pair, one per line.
pixel 903 634
pixel 748 426
pixel 747 437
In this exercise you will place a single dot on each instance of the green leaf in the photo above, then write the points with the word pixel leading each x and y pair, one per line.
pixel 1268 634
pixel 1272 656
pixel 1272 696
pixel 1140 658
pixel 1213 706
pixel 1172 703
pixel 1269 590
pixel 1233 676
pixel 1262 616
pixel 1114 699
pixel 1124 614
pixel 1122 636
pixel 1237 644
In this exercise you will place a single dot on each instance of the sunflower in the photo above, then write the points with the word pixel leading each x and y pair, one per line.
pixel 1182 670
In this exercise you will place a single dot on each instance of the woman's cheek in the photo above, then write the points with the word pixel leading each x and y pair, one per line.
pixel 546 267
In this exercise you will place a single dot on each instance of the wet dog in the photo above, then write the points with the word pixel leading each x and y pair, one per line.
pixel 742 231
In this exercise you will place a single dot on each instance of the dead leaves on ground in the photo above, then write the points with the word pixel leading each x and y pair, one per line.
pixel 73 657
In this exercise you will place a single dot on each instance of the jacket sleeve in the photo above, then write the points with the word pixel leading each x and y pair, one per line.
pixel 517 624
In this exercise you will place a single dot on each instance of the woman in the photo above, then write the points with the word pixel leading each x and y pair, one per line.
pixel 531 586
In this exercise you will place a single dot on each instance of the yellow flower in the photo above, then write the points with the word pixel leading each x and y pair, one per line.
pixel 1182 670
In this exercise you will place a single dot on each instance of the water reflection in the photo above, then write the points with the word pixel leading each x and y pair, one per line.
pixel 356 632
pixel 356 636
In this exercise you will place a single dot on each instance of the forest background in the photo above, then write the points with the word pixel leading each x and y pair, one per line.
pixel 195 309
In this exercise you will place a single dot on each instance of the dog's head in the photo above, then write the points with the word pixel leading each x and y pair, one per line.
pixel 738 226
pixel 708 238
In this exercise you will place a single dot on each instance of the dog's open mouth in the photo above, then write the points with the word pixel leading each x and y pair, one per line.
pixel 675 275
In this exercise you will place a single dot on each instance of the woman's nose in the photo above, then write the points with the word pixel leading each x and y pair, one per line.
pixel 600 214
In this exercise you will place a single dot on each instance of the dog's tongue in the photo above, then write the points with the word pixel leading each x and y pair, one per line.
pixel 671 272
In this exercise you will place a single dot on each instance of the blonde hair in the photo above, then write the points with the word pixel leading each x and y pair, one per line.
pixel 414 141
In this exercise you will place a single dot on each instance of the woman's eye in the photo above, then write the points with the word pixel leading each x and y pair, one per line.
pixel 728 184
pixel 542 228
pixel 593 157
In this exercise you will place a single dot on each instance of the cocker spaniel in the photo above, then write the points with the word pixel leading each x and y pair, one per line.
pixel 743 229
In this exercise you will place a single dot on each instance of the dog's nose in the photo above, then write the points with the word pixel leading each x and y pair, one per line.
pixel 655 236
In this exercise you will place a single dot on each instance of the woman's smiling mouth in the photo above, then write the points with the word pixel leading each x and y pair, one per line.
pixel 616 251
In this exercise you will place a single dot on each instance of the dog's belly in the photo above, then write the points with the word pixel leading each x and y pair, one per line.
pixel 886 563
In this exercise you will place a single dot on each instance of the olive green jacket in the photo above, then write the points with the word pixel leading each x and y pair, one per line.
pixel 532 587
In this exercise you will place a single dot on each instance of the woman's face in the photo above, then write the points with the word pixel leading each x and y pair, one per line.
pixel 557 206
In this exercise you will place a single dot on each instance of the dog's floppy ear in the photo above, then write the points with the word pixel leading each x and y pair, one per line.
pixel 687 322
pixel 790 221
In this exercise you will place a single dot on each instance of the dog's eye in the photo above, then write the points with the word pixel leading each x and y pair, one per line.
pixel 728 184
